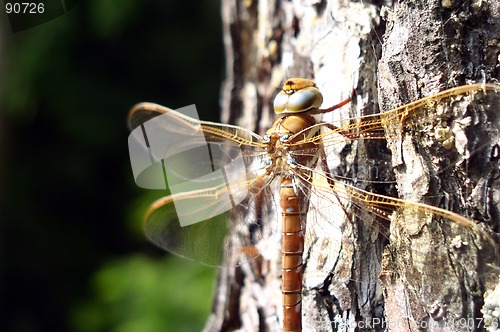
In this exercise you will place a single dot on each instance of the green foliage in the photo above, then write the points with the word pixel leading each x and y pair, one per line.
pixel 142 294
pixel 68 200
pixel 112 17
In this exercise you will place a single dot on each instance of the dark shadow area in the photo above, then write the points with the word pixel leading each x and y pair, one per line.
pixel 69 207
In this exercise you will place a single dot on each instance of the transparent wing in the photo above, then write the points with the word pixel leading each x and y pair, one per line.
pixel 417 115
pixel 210 170
pixel 196 219
pixel 335 191
pixel 226 239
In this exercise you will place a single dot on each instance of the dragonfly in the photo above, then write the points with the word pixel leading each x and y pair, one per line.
pixel 227 185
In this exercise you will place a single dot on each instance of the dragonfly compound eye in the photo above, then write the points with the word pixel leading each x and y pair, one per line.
pixel 299 101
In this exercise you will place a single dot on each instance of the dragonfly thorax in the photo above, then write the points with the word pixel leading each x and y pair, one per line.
pixel 277 157
pixel 282 143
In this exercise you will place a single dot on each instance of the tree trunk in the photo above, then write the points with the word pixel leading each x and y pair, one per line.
pixel 429 46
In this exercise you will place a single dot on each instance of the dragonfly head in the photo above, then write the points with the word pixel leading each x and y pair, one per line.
pixel 298 95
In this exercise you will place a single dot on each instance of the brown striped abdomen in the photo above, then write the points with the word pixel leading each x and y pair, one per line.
pixel 292 250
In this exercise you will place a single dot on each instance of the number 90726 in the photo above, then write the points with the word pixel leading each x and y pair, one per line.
pixel 24 8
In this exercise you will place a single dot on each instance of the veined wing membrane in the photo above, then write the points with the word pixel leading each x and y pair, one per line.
pixel 185 120
pixel 428 113
pixel 222 200
pixel 410 116
pixel 211 240
pixel 383 207
pixel 208 169
pixel 204 241
pixel 227 199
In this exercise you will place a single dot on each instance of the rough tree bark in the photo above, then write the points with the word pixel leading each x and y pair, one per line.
pixel 429 46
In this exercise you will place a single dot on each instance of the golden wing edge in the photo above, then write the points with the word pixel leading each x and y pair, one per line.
pixel 375 122
pixel 402 111
pixel 213 192
pixel 145 106
pixel 214 130
pixel 372 199
pixel 162 227
pixel 204 241
pixel 377 201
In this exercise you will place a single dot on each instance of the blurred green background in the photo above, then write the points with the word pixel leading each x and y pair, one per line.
pixel 73 256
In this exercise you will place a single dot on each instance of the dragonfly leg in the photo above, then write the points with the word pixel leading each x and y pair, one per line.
pixel 334 107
